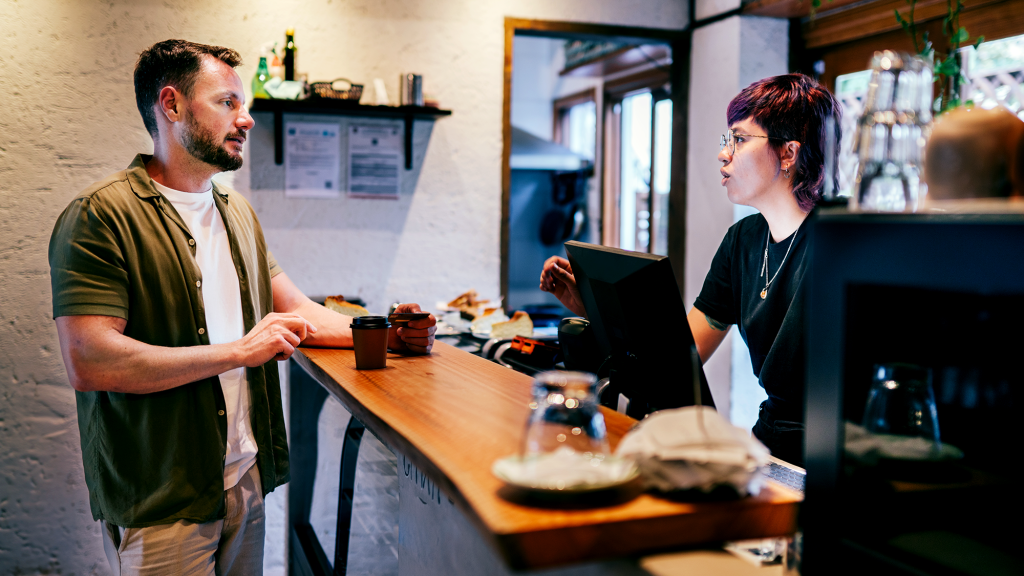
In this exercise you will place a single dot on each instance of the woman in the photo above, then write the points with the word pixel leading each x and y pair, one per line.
pixel 773 160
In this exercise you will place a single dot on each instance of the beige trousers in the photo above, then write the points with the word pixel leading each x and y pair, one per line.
pixel 225 547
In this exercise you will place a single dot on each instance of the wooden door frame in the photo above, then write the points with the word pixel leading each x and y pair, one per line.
pixel 679 40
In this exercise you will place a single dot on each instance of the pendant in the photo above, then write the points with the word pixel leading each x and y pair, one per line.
pixel 764 293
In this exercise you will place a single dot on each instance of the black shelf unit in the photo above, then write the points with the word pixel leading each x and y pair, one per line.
pixel 344 107
pixel 945 291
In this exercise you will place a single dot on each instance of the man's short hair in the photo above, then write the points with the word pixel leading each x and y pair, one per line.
pixel 793 107
pixel 172 63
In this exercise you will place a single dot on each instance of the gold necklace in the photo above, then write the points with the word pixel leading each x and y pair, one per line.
pixel 764 267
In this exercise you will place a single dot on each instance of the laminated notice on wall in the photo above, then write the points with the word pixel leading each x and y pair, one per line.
pixel 374 160
pixel 312 161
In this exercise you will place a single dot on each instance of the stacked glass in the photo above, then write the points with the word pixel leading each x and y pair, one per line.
pixel 891 134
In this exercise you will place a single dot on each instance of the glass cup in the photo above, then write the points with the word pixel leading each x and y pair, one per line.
pixel 565 443
pixel 891 134
pixel 901 403
pixel 565 417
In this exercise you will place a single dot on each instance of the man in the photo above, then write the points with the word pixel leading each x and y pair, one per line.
pixel 171 314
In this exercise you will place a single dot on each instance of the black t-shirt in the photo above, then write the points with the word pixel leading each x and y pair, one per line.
pixel 773 327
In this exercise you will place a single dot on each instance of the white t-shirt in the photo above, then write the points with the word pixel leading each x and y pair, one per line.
pixel 223 302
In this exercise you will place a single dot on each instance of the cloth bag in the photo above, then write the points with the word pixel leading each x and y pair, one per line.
pixel 695 448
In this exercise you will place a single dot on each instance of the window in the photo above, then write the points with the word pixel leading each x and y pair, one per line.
pixel 581 129
pixel 645 160
pixel 576 123
pixel 851 89
pixel 995 77
pixel 995 72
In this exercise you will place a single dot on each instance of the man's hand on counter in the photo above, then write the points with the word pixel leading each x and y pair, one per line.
pixel 417 336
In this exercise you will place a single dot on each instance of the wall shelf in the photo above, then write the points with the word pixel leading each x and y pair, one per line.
pixel 327 106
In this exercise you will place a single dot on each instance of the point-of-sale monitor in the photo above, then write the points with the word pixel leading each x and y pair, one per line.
pixel 639 320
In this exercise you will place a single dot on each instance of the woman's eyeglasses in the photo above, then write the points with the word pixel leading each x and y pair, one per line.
pixel 730 138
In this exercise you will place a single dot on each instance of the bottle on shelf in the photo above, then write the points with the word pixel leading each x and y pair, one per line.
pixel 261 77
pixel 290 54
pixel 276 66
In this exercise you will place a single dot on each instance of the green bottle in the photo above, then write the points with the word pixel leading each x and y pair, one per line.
pixel 261 77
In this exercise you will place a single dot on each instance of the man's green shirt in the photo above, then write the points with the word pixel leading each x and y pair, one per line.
pixel 120 249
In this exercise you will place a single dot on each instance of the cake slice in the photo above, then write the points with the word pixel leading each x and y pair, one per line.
pixel 519 325
pixel 339 305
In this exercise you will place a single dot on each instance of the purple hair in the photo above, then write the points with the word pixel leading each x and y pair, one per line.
pixel 793 107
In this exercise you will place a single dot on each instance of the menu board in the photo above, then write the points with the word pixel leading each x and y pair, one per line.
pixel 374 160
pixel 312 159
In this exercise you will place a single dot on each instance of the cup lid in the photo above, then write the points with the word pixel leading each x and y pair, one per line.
pixel 370 322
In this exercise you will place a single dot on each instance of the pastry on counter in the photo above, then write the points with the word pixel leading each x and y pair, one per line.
pixel 339 305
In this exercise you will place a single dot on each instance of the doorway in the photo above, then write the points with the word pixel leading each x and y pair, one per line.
pixel 598 101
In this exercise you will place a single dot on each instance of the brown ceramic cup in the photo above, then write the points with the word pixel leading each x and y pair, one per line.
pixel 370 340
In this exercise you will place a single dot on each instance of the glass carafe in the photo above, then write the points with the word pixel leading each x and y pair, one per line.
pixel 901 403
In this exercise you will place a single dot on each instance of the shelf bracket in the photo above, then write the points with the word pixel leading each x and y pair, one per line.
pixel 408 141
pixel 278 137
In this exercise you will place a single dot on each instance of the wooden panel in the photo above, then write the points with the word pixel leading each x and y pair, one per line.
pixel 791 8
pixel 652 78
pixel 873 18
pixel 506 156
pixel 452 414
pixel 994 21
pixel 677 204
pixel 621 60
pixel 585 30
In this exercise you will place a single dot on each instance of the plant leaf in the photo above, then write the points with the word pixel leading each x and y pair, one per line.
pixel 961 36
pixel 978 42
pixel 948 67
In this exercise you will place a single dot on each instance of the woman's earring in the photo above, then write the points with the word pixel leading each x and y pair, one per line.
pixel 786 172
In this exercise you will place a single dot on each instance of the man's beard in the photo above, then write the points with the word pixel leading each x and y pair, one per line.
pixel 203 146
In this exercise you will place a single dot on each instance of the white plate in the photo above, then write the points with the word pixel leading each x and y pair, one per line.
pixel 621 472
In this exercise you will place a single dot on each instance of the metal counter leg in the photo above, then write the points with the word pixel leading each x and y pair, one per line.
pixel 349 457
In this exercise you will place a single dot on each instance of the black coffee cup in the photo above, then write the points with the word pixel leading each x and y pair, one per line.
pixel 370 340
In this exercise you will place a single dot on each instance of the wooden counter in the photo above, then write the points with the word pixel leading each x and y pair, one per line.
pixel 453 414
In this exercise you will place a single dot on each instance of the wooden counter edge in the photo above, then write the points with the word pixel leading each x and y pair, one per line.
pixel 550 548
pixel 397 443
pixel 534 550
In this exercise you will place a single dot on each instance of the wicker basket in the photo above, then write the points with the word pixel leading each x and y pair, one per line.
pixel 327 90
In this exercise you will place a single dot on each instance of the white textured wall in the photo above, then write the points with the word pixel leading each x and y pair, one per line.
pixel 68 118
pixel 708 8
pixel 727 56
pixel 714 80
